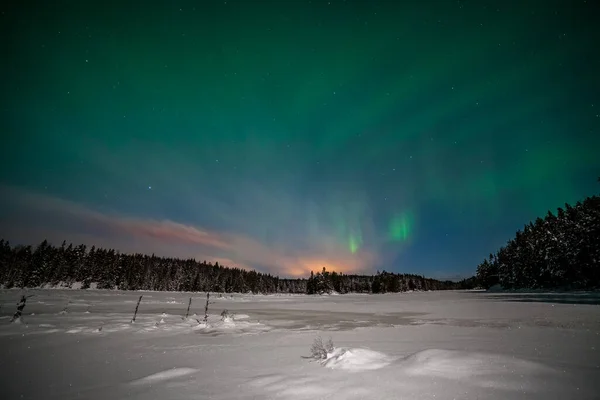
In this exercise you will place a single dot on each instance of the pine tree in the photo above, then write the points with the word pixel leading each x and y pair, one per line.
pixel 558 251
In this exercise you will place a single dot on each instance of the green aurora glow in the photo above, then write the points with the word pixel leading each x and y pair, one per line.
pixel 311 127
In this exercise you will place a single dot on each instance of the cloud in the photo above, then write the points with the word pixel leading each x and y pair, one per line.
pixel 29 217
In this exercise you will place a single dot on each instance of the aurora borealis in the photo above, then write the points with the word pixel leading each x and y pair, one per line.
pixel 293 135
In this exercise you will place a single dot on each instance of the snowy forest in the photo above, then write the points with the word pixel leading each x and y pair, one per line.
pixel 382 282
pixel 47 265
pixel 560 251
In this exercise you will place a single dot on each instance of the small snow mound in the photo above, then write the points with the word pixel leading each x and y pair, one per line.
pixel 290 387
pixel 162 321
pixel 328 293
pixel 241 316
pixel 451 364
pixel 229 326
pixel 201 325
pixel 356 360
pixel 164 376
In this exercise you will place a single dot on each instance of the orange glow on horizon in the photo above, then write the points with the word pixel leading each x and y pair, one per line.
pixel 303 267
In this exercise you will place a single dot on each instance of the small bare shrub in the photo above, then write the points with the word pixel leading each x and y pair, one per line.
pixel 20 306
pixel 64 310
pixel 319 350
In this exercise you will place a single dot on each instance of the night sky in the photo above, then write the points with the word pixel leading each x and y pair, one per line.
pixel 285 136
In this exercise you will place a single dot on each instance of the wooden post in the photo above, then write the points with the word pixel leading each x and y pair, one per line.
pixel 188 309
pixel 206 307
pixel 136 308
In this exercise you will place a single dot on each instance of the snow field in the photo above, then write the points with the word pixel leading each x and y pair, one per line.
pixel 449 345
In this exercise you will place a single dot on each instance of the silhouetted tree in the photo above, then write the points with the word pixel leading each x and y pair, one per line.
pixel 558 251
pixel 109 269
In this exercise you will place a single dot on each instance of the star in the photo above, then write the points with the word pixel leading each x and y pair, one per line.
pixel 275 208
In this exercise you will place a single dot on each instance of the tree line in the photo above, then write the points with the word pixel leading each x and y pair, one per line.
pixel 24 266
pixel 559 251
pixel 383 282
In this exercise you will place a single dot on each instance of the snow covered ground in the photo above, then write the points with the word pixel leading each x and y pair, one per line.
pixel 436 345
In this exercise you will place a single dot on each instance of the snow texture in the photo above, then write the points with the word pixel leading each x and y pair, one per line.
pixel 356 360
pixel 435 345
pixel 164 376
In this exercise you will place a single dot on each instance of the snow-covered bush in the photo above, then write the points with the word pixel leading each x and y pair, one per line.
pixel 226 316
pixel 319 350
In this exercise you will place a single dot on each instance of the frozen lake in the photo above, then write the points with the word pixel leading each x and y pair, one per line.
pixel 75 344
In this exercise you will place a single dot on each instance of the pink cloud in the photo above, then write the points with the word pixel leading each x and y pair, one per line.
pixel 168 231
pixel 57 219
